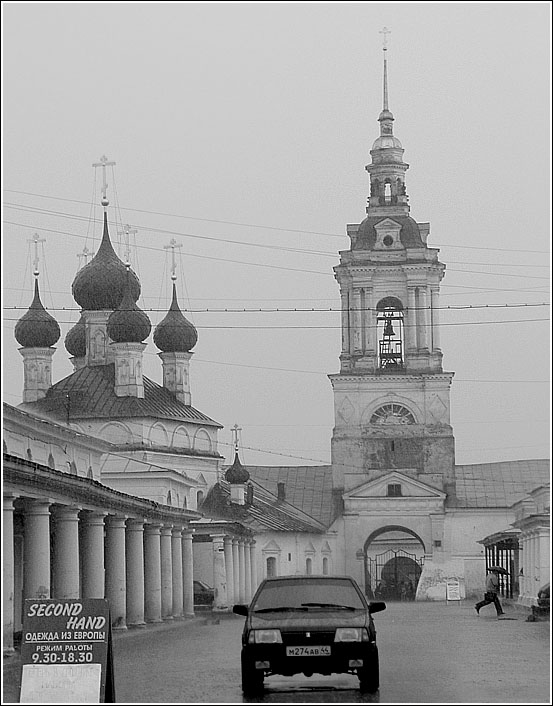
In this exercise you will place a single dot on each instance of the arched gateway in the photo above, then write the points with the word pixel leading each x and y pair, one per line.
pixel 394 557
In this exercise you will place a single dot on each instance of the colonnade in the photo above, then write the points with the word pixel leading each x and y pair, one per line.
pixel 142 565
pixel 234 570
pixel 535 563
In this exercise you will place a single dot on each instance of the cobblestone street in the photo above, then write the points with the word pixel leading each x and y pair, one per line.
pixel 429 653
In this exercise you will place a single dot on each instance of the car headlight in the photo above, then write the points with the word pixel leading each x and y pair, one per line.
pixel 264 636
pixel 351 635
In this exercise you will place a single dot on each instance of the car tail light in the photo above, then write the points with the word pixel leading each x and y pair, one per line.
pixel 351 635
pixel 264 636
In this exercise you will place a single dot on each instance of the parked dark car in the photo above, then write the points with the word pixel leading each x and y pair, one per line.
pixel 203 594
pixel 309 624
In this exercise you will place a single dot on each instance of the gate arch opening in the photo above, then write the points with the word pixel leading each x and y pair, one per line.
pixel 394 557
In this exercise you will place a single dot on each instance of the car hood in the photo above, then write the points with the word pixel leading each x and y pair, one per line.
pixel 321 619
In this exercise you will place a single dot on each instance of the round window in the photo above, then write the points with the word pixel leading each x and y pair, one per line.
pixel 388 240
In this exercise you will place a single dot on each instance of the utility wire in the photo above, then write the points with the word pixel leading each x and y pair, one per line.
pixel 264 227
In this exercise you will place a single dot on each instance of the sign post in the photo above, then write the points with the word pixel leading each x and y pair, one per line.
pixel 452 592
pixel 66 652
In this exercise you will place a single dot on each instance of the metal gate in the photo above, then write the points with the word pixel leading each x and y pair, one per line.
pixel 393 575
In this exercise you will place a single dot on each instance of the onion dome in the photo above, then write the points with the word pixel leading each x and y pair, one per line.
pixel 37 328
pixel 237 474
pixel 175 334
pixel 101 284
pixel 128 323
pixel 75 340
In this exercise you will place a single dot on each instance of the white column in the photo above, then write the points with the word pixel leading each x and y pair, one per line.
pixel 236 570
pixel 345 321
pixel 176 567
pixel 253 566
pixel 166 573
pixel 242 570
pixel 411 319
pixel 187 573
pixel 92 552
pixel 8 575
pixel 247 572
pixel 435 299
pixel 134 547
pixel 357 346
pixel 231 598
pixel 423 317
pixel 37 550
pixel 66 553
pixel 219 574
pixel 116 588
pixel 152 573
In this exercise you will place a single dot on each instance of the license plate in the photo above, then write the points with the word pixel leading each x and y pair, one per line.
pixel 308 651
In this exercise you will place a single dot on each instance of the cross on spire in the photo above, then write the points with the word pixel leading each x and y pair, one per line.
pixel 172 245
pixel 86 253
pixel 104 163
pixel 127 232
pixel 36 240
pixel 235 429
pixel 385 32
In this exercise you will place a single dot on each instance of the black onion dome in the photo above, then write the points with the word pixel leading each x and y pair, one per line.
pixel 101 284
pixel 237 473
pixel 175 334
pixel 75 340
pixel 128 323
pixel 37 328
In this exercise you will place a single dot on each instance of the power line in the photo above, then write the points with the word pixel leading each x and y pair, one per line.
pixel 264 227
pixel 299 310
pixel 271 247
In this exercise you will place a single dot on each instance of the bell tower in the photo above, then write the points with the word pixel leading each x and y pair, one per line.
pixel 391 396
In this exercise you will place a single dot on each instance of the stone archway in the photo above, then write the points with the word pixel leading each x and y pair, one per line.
pixel 393 559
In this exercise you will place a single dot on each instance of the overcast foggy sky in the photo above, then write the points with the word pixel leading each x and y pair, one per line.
pixel 263 115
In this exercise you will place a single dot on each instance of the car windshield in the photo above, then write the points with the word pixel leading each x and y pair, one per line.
pixel 305 594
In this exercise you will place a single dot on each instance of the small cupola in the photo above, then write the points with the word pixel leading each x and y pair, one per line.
pixel 75 342
pixel 175 337
pixel 127 327
pixel 174 333
pixel 37 328
pixel 128 323
pixel 237 475
pixel 36 332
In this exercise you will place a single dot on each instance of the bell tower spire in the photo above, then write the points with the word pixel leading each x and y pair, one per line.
pixel 391 396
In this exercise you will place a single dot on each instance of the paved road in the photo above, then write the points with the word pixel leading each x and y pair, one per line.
pixel 429 653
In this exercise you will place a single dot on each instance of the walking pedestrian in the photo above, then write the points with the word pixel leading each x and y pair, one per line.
pixel 492 592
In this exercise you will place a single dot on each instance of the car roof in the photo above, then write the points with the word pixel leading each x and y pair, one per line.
pixel 325 577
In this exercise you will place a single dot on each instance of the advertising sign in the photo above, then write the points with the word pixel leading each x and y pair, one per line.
pixel 452 591
pixel 66 652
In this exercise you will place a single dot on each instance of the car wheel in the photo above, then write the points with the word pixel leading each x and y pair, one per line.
pixel 369 678
pixel 252 678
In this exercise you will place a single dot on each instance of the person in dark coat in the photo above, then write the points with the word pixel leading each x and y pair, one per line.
pixel 492 593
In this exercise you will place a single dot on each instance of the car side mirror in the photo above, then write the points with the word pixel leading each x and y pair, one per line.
pixel 240 609
pixel 376 606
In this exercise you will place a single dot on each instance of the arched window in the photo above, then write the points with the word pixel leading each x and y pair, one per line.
pixel 169 498
pixel 51 462
pixel 185 503
pixel 325 566
pixel 308 566
pixel 89 473
pixel 392 413
pixel 199 498
pixel 271 566
pixel 389 320
pixel 73 468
